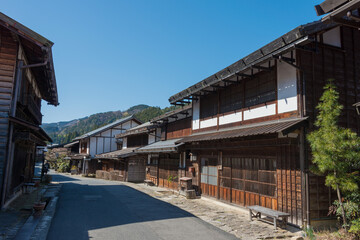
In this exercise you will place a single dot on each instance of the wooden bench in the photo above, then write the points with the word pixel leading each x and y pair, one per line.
pixel 149 182
pixel 276 215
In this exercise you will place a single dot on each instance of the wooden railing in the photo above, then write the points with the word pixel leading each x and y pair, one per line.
pixel 29 102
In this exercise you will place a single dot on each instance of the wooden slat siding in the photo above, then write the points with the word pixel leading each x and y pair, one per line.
pixel 178 129
pixel 289 196
pixel 8 51
pixel 344 67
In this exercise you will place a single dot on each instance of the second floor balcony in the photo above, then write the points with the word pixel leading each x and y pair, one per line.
pixel 30 106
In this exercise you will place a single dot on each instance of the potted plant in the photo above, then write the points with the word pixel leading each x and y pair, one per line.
pixel 39 205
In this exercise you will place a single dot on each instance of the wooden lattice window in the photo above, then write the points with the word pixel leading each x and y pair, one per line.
pixel 255 175
pixel 209 105
pixel 260 89
pixel 231 98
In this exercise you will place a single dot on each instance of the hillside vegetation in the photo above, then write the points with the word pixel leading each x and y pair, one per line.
pixel 63 132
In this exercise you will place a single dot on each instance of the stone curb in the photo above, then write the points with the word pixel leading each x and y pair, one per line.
pixel 42 228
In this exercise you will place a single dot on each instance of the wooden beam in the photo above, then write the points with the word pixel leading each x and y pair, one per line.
pixel 287 60
pixel 178 104
pixel 221 87
pixel 229 81
pixel 261 68
pixel 243 75
pixel 208 91
pixel 347 23
pixel 191 98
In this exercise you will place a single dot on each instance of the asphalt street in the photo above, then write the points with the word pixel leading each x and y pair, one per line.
pixel 99 209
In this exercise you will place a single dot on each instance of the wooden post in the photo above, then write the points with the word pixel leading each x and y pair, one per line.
pixel 11 147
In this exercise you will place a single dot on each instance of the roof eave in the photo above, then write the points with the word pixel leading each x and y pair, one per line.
pixel 297 36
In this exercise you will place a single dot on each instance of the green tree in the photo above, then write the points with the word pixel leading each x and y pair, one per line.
pixel 335 150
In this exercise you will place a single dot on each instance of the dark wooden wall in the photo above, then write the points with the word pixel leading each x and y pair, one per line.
pixel 342 65
pixel 8 52
pixel 278 187
pixel 178 129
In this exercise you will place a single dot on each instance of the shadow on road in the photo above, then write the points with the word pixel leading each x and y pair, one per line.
pixel 62 178
pixel 83 208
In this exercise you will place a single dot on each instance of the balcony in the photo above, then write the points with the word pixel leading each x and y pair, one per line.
pixel 30 106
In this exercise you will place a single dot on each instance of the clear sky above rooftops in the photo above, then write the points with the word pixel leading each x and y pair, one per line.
pixel 110 55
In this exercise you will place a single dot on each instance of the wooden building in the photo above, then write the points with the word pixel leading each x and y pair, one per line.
pixel 250 120
pixel 26 78
pixel 124 164
pixel 101 140
pixel 166 163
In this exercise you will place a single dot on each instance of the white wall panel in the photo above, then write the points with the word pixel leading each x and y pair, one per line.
pixel 231 118
pixel 107 144
pixel 208 123
pixel 260 112
pixel 125 142
pixel 196 115
pixel 332 37
pixel 100 145
pixel 287 90
pixel 92 146
pixel 151 138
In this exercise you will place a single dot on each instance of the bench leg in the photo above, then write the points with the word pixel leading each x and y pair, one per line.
pixel 250 212
pixel 284 222
pixel 275 223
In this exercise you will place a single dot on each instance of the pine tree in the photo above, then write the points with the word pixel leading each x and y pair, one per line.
pixel 335 150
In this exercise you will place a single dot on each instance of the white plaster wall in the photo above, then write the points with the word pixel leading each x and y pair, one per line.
pixel 113 145
pixel 107 144
pixel 208 123
pixel 287 90
pixel 151 138
pixel 92 146
pixel 106 133
pixel 196 115
pixel 332 37
pixel 125 125
pixel 100 146
pixel 231 118
pixel 124 142
pixel 158 134
pixel 259 112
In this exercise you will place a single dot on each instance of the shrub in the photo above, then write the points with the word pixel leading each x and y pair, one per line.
pixel 352 211
pixel 355 227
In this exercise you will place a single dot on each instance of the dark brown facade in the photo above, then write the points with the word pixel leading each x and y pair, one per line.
pixel 26 77
pixel 241 156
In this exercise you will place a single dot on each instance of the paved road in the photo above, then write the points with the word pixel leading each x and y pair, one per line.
pixel 99 209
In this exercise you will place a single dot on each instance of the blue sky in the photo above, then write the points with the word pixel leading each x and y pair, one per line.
pixel 111 55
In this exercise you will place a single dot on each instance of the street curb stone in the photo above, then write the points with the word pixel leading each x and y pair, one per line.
pixel 42 229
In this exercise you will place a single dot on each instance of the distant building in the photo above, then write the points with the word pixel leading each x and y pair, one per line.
pixel 100 141
pixel 124 164
pixel 27 76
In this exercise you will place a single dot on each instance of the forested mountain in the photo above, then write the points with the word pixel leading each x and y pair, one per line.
pixel 63 132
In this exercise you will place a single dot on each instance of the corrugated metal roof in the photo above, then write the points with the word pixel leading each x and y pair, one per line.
pixel 123 153
pixel 142 128
pixel 71 144
pixel 161 146
pixel 172 113
pixel 106 127
pixel 283 126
